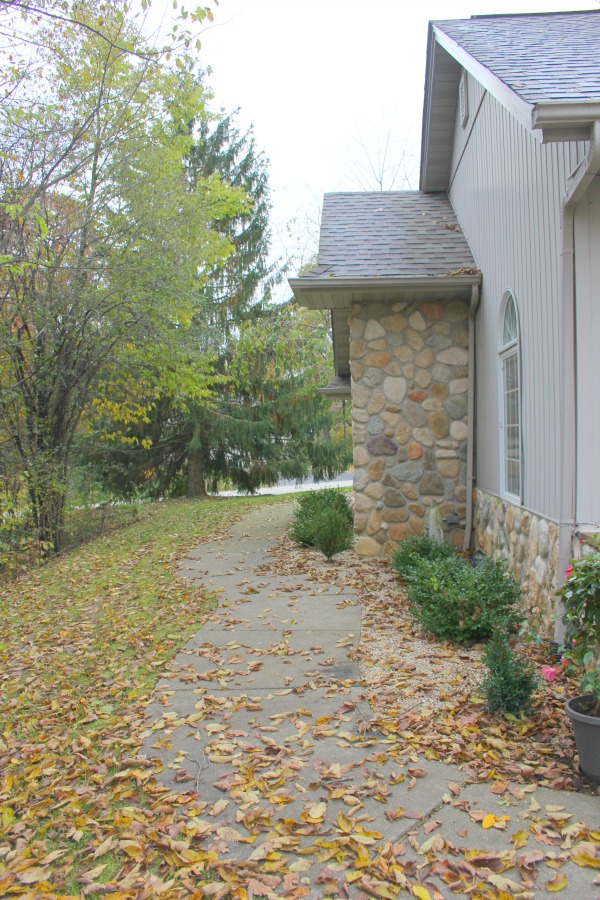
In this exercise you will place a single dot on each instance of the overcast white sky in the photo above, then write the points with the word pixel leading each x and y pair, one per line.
pixel 322 81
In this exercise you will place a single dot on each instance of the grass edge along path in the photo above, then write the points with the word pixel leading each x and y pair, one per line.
pixel 82 644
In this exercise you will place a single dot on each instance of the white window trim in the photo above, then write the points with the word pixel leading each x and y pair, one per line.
pixel 505 352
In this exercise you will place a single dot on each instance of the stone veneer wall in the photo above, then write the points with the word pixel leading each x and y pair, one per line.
pixel 409 364
pixel 528 544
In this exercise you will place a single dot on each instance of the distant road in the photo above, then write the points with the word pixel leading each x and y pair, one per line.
pixel 286 486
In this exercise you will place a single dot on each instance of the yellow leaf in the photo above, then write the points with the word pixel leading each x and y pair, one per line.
pixel 132 849
pixel 585 859
pixel 353 876
pixel 557 883
pixel 519 839
pixel 492 821
pixel 421 892
pixel 8 816
pixel 383 891
pixel 344 823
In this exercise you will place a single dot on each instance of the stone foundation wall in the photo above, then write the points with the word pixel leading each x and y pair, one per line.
pixel 409 364
pixel 528 544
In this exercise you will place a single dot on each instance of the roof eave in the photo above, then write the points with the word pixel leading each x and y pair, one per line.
pixel 565 120
pixel 339 293
pixel 337 393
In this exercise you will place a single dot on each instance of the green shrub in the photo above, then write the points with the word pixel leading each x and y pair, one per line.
pixel 416 548
pixel 333 533
pixel 510 681
pixel 459 603
pixel 312 510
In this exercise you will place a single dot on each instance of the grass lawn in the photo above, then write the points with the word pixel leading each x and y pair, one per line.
pixel 82 644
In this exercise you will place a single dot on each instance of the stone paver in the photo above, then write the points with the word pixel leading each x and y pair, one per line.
pixel 263 708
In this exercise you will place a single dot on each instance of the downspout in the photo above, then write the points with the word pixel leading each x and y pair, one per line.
pixel 577 185
pixel 471 417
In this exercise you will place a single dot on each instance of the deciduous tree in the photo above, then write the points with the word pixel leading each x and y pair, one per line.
pixel 105 240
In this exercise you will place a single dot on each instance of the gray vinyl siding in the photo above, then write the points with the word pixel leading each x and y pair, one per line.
pixel 506 189
pixel 587 306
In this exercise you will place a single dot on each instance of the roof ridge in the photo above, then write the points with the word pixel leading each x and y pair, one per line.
pixel 565 12
pixel 359 193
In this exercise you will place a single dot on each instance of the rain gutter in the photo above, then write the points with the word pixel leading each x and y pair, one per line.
pixel 471 417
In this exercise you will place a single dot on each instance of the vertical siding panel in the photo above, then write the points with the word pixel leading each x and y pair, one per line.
pixel 507 190
pixel 587 263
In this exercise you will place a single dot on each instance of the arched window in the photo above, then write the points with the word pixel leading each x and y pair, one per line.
pixel 510 424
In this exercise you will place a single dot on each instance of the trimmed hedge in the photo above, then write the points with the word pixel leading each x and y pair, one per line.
pixel 459 603
pixel 449 597
pixel 415 549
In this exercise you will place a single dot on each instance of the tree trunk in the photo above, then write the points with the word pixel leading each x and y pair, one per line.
pixel 196 483
pixel 47 486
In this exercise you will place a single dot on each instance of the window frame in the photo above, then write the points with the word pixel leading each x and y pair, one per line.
pixel 509 359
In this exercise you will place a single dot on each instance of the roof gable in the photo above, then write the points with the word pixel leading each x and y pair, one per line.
pixel 545 57
pixel 544 68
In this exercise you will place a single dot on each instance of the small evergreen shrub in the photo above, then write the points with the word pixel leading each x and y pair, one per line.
pixel 302 529
pixel 510 681
pixel 416 548
pixel 323 519
pixel 462 604
pixel 333 533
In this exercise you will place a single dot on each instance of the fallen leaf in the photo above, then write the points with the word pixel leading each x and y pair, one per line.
pixel 558 883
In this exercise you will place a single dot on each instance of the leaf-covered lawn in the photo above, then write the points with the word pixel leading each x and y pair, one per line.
pixel 81 645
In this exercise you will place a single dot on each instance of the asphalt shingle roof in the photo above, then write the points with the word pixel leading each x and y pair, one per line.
pixel 541 57
pixel 398 233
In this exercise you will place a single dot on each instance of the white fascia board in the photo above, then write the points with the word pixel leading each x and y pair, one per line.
pixel 426 123
pixel 565 120
pixel 516 105
pixel 305 289
pixel 382 282
pixel 561 113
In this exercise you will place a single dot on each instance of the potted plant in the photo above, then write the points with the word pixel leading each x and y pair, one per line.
pixel 580 595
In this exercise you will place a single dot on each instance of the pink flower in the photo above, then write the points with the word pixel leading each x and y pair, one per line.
pixel 549 673
pixel 568 571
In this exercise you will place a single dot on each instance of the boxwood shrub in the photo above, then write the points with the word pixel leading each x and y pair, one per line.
pixel 416 548
pixel 456 602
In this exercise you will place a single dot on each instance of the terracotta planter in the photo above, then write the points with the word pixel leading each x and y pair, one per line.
pixel 587 737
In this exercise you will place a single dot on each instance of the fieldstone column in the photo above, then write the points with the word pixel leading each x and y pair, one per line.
pixel 409 418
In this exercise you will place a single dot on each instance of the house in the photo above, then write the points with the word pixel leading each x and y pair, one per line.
pixel 466 315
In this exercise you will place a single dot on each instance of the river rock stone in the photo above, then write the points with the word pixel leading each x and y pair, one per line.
pixel 381 446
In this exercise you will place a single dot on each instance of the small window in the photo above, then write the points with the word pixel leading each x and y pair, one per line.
pixel 511 400
pixel 463 99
